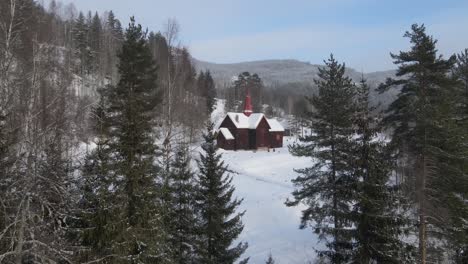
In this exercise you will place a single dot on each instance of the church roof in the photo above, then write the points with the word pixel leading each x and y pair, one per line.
pixel 226 133
pixel 275 126
pixel 240 120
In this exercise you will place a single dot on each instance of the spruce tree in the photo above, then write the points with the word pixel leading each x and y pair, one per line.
pixel 132 103
pixel 181 218
pixel 219 224
pixel 379 223
pixel 210 92
pixel 325 187
pixel 82 51
pixel 96 207
pixel 422 122
pixel 95 36
pixel 207 89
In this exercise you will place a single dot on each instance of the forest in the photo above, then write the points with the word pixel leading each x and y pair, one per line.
pixel 108 150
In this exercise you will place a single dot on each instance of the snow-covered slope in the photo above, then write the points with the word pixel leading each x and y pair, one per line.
pixel 263 179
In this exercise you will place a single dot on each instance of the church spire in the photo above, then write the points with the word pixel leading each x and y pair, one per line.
pixel 248 103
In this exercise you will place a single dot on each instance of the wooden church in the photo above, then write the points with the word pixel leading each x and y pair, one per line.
pixel 247 130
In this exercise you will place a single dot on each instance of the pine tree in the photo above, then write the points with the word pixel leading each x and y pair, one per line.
pixel 256 89
pixel 181 216
pixel 422 123
pixel 219 225
pixel 379 223
pixel 458 191
pixel 326 187
pixel 132 105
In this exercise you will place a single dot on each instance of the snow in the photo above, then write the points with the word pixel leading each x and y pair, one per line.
pixel 239 119
pixel 218 112
pixel 254 120
pixel 263 180
pixel 251 122
pixel 226 133
pixel 275 126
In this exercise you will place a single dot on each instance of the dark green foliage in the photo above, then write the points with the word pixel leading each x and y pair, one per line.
pixel 131 114
pixel 96 208
pixel 95 43
pixel 121 191
pixel 458 189
pixel 115 26
pixel 181 217
pixel 424 130
pixel 326 187
pixel 379 223
pixel 236 94
pixel 219 223
pixel 207 89
pixel 82 49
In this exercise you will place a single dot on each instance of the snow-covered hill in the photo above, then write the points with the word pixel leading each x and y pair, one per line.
pixel 263 179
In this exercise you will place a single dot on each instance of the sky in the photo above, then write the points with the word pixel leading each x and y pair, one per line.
pixel 361 33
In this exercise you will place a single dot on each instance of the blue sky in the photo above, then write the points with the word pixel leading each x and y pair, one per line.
pixel 361 33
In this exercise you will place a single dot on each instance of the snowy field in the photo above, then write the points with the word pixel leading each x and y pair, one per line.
pixel 263 179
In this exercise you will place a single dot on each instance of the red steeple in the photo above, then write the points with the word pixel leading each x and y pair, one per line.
pixel 248 104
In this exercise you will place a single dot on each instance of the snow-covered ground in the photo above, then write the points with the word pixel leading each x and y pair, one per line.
pixel 263 179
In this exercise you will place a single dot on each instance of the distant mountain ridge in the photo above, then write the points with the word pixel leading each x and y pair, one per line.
pixel 292 71
pixel 281 71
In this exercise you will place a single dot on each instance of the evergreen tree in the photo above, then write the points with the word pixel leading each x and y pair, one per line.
pixel 219 223
pixel 82 50
pixel 207 89
pixel 326 187
pixel 461 72
pixel 96 205
pixel 256 89
pixel 458 190
pixel 379 223
pixel 111 20
pixel 201 83
pixel 132 103
pixel 181 216
pixel 95 35
pixel 423 128
pixel 243 82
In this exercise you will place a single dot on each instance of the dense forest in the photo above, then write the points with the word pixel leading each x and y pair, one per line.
pixel 99 122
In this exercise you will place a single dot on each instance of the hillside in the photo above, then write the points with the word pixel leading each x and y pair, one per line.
pixel 291 71
pixel 281 71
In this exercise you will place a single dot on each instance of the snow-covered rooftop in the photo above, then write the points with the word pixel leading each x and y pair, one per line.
pixel 226 133
pixel 275 126
pixel 240 120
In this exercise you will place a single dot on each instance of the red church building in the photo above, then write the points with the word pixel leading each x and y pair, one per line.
pixel 249 130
